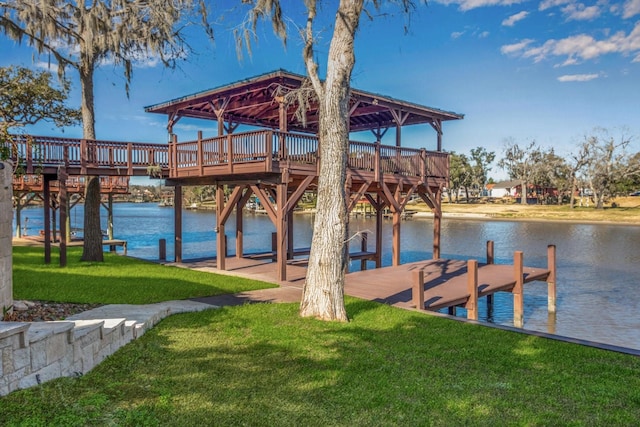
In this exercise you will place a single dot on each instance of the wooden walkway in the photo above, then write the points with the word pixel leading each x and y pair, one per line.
pixel 445 283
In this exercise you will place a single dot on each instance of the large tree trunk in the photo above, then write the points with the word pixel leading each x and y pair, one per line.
pixel 92 231
pixel 323 292
pixel 92 249
pixel 523 193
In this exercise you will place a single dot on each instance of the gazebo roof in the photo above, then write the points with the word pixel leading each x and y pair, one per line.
pixel 253 102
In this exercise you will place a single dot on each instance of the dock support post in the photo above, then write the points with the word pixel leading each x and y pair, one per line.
pixel 518 288
pixel 162 249
pixel 274 245
pixel 282 228
pixel 239 232
pixel 379 209
pixel 418 289
pixel 551 280
pixel 63 197
pixel 490 260
pixel 363 248
pixel 472 288
pixel 221 244
pixel 437 223
pixel 177 222
pixel 47 218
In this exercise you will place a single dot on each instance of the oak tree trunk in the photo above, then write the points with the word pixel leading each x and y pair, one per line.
pixel 92 248
pixel 323 292
pixel 92 231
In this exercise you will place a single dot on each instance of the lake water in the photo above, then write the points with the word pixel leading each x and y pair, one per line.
pixel 598 265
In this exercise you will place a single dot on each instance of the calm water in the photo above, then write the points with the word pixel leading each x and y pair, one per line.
pixel 598 265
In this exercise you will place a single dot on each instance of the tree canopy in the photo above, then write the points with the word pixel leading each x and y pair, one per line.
pixel 84 35
pixel 28 97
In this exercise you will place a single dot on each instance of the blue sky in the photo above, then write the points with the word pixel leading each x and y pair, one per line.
pixel 548 70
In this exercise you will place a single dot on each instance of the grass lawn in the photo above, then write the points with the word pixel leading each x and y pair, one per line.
pixel 262 365
pixel 119 280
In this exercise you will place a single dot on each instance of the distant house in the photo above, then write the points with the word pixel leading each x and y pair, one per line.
pixel 503 189
pixel 535 193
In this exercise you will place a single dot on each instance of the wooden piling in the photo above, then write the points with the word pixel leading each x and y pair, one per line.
pixel 363 248
pixel 162 249
pixel 551 280
pixel 472 287
pixel 418 289
pixel 518 288
pixel 490 260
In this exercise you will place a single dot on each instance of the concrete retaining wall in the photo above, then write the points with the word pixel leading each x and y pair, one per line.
pixel 32 353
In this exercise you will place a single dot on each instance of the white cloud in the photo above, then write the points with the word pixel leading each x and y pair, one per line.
pixel 457 34
pixel 630 8
pixel 49 66
pixel 465 5
pixel 511 21
pixel 580 12
pixel 484 34
pixel 579 48
pixel 577 77
pixel 547 4
pixel 515 48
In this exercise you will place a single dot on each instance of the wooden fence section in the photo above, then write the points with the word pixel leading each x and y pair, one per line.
pixel 267 149
pixel 42 153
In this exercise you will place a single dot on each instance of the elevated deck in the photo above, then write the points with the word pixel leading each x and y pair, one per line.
pixel 44 155
pixel 74 184
pixel 265 154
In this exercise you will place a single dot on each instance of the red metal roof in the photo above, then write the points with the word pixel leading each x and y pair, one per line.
pixel 252 102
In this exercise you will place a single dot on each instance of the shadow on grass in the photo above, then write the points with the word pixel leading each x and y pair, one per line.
pixel 263 365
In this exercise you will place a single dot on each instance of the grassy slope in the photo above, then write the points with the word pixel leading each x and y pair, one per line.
pixel 119 280
pixel 263 365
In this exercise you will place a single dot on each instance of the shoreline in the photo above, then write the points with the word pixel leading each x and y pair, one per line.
pixel 491 217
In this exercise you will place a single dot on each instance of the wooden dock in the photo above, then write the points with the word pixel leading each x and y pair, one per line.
pixel 422 285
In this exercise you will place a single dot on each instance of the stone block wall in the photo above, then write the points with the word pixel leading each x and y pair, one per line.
pixel 6 215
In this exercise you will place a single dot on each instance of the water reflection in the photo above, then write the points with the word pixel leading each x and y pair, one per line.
pixel 598 265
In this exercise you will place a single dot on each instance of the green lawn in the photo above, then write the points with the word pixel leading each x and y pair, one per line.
pixel 262 365
pixel 119 280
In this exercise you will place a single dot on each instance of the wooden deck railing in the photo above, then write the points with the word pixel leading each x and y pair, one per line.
pixel 75 184
pixel 273 146
pixel 33 152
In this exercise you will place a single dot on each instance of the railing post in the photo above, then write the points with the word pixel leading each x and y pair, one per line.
pixel 65 156
pixel 200 155
pixel 29 154
pixel 84 153
pixel 423 165
pixel 230 151
pixel 129 158
pixel 551 280
pixel 269 152
pixel 518 289
pixel 418 289
pixel 472 288
pixel 376 164
pixel 173 156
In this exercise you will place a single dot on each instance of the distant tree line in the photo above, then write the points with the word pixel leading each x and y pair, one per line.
pixel 600 164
